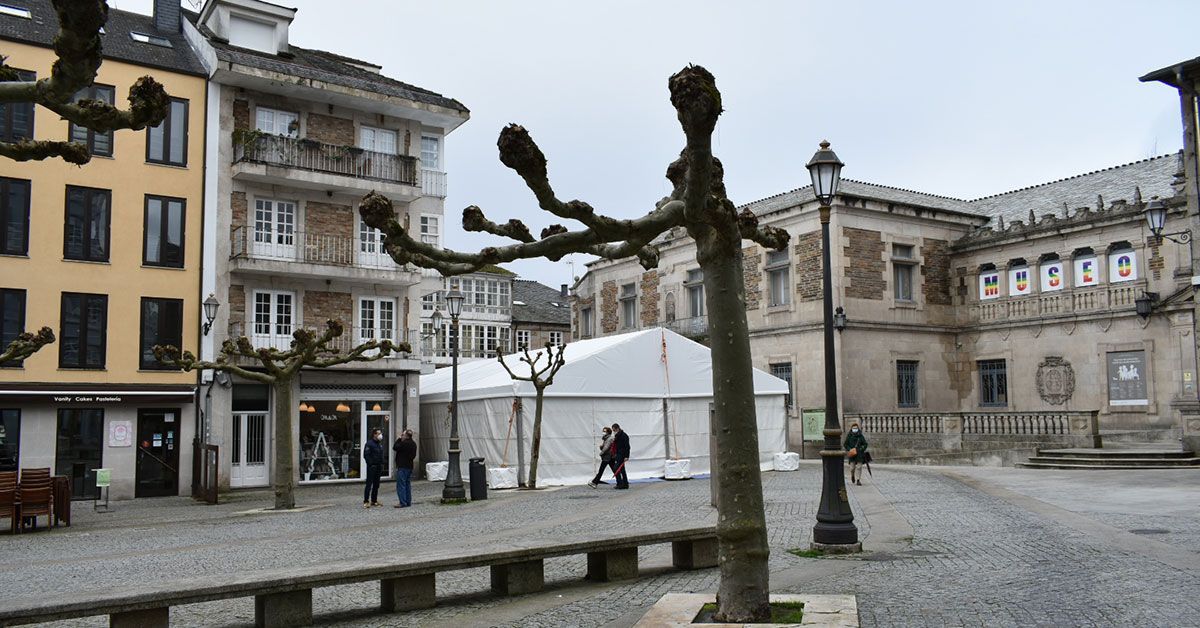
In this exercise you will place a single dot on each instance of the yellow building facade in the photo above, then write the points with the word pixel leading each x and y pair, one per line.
pixel 112 263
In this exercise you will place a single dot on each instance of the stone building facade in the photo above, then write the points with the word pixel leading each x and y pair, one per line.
pixel 945 301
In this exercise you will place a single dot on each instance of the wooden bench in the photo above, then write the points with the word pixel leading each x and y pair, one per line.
pixel 283 597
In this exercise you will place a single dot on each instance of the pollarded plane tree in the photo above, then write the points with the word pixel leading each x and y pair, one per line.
pixel 542 377
pixel 25 345
pixel 77 46
pixel 697 202
pixel 278 369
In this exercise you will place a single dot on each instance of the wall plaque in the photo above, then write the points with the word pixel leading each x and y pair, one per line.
pixel 1055 381
pixel 1127 378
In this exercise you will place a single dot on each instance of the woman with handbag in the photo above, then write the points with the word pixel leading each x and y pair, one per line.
pixel 856 453
pixel 606 452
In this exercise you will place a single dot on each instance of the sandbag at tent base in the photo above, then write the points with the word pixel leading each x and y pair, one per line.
pixel 678 469
pixel 502 477
pixel 787 461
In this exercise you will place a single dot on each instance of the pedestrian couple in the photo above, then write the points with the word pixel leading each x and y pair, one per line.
pixel 406 452
pixel 614 453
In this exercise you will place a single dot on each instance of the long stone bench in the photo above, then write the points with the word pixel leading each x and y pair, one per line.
pixel 283 597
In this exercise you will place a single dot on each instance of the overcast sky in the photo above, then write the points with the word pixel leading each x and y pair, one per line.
pixel 964 99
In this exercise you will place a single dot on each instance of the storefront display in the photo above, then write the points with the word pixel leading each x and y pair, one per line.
pixel 332 434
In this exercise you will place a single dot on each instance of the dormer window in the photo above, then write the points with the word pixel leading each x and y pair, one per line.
pixel 252 34
pixel 15 11
pixel 153 40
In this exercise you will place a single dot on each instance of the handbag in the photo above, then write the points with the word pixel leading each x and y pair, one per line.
pixel 853 452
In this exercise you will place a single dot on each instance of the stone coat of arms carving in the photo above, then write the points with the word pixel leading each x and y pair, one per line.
pixel 1055 381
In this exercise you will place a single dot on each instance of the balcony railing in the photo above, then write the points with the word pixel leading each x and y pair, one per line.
pixel 305 154
pixel 309 248
pixel 1078 301
pixel 280 337
pixel 433 183
pixel 695 326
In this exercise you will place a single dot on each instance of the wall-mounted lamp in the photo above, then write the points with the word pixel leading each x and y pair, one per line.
pixel 839 319
pixel 1156 220
pixel 211 305
pixel 1145 304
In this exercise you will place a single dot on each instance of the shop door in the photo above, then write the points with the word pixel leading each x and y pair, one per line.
pixel 249 451
pixel 157 453
pixel 79 450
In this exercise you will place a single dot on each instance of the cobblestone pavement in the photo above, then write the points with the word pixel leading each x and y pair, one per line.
pixel 974 559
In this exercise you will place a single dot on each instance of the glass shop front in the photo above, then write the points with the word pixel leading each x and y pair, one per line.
pixel 332 435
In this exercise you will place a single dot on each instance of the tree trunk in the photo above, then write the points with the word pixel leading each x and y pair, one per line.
pixel 537 439
pixel 744 590
pixel 285 473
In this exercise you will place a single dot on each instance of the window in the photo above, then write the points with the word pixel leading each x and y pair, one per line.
pixel 695 292
pixel 153 40
pixel 906 383
pixel 493 293
pixel 429 230
pixel 505 339
pixel 378 140
pixel 277 122
pixel 431 301
pixel 162 324
pixel 903 267
pixel 778 273
pixel 16 119
pixel 376 319
pixel 556 338
pixel 272 319
pixel 162 244
pixel 14 216
pixel 88 217
pixel 274 228
pixel 489 347
pixel 505 298
pixel 628 306
pixel 10 439
pixel 431 152
pixel 585 322
pixel 80 448
pixel 83 328
pixel 784 372
pixel 167 142
pixel 97 143
pixel 12 318
pixel 993 383
pixel 522 339
pixel 15 12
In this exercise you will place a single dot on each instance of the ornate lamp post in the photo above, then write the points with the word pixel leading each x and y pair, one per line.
pixel 1156 219
pixel 835 530
pixel 453 488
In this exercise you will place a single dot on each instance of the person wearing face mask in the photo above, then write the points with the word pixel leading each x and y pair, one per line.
pixel 856 453
pixel 606 449
pixel 373 454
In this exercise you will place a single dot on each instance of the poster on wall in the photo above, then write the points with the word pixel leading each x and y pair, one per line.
pixel 1086 272
pixel 989 285
pixel 1127 378
pixel 812 422
pixel 120 433
pixel 1019 283
pixel 1052 276
pixel 1122 266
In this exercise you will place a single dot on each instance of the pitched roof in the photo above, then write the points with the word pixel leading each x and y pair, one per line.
pixel 536 304
pixel 1152 176
pixel 862 189
pixel 115 42
pixel 328 67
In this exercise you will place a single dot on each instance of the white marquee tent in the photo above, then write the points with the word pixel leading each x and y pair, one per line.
pixel 661 403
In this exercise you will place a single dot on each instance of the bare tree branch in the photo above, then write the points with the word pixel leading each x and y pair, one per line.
pixel 25 345
pixel 474 220
pixel 37 150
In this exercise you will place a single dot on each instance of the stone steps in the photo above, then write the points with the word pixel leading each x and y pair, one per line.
pixel 1127 458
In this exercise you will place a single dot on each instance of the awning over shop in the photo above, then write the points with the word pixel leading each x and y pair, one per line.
pixel 71 393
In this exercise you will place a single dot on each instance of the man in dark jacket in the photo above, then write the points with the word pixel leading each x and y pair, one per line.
pixel 406 453
pixel 373 454
pixel 620 457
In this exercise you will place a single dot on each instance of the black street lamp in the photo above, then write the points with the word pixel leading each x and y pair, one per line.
pixel 1156 219
pixel 453 489
pixel 211 305
pixel 835 530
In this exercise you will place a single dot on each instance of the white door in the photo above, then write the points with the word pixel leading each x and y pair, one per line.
pixel 370 247
pixel 272 319
pixel 277 122
pixel 249 451
pixel 376 319
pixel 274 229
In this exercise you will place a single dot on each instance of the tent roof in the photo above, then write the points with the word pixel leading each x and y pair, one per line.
pixel 626 365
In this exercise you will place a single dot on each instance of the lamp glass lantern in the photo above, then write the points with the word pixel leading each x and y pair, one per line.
pixel 1144 304
pixel 826 171
pixel 839 319
pixel 211 305
pixel 437 319
pixel 454 302
pixel 1156 216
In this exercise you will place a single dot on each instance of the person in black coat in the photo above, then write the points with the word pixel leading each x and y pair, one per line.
pixel 374 456
pixel 620 457
pixel 856 452
pixel 406 453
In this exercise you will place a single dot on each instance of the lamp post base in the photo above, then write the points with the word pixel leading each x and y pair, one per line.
pixel 453 489
pixel 836 548
pixel 828 537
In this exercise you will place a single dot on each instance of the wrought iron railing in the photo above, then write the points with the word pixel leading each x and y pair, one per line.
pixel 695 326
pixel 433 183
pixel 309 248
pixel 314 156
pixel 280 337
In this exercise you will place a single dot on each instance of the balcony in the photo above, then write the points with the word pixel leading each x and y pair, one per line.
pixel 433 183
pixel 695 327
pixel 307 254
pixel 1113 297
pixel 279 337
pixel 308 164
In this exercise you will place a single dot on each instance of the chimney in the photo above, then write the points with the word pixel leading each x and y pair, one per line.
pixel 167 16
pixel 563 290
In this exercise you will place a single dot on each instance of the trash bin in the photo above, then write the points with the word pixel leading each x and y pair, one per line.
pixel 478 474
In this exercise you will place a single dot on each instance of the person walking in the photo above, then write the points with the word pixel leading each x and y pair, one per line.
pixel 856 453
pixel 606 448
pixel 620 456
pixel 406 453
pixel 373 454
